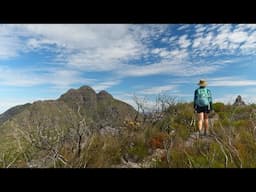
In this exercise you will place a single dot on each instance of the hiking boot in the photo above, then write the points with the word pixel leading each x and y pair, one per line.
pixel 200 134
pixel 207 133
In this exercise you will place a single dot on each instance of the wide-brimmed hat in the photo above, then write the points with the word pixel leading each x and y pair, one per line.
pixel 202 83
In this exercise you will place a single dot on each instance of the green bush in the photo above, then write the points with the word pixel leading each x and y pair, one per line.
pixel 219 107
pixel 140 150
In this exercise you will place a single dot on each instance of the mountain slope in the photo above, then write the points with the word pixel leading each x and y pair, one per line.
pixel 83 102
pixel 74 113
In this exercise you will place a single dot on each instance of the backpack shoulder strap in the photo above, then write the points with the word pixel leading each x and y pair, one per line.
pixel 208 92
pixel 201 90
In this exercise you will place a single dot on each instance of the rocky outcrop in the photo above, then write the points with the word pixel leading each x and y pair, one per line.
pixel 239 101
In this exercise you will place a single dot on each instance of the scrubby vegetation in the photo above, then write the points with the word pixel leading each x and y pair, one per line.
pixel 161 139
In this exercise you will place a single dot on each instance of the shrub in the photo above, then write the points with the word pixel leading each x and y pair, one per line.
pixel 139 151
pixel 219 107
pixel 157 141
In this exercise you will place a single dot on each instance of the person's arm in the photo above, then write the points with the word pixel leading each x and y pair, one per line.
pixel 211 107
pixel 195 97
pixel 210 100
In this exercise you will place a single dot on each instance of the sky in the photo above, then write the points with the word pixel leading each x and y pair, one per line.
pixel 43 61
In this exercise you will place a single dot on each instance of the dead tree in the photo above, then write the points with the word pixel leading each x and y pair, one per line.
pixel 141 106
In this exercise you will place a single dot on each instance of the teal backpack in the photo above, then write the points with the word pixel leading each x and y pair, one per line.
pixel 203 96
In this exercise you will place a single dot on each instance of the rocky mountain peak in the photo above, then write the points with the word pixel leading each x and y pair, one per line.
pixel 104 94
pixel 239 101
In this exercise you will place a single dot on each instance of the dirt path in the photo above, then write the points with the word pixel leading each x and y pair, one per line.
pixel 194 137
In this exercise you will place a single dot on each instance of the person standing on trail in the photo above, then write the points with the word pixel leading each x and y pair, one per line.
pixel 203 106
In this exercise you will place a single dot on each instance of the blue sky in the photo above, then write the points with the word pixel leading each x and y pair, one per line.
pixel 42 61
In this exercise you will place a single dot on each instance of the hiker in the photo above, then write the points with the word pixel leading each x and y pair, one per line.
pixel 203 106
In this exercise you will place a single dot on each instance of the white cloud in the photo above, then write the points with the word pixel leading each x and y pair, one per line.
pixel 184 42
pixel 99 47
pixel 223 40
pixel 158 89
pixel 179 54
pixel 173 39
pixel 171 55
pixel 176 63
pixel 165 40
pixel 152 69
pixel 105 85
pixel 164 53
pixel 148 32
pixel 212 27
pixel 156 50
pixel 206 42
pixel 56 77
pixel 92 61
pixel 21 78
pixel 249 45
pixel 118 48
pixel 200 28
pixel 81 47
pixel 8 47
pixel 10 44
pixel 224 28
pixel 76 36
pixel 197 42
pixel 65 78
pixel 113 48
pixel 236 83
pixel 183 27
pixel 238 37
pixel 231 82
